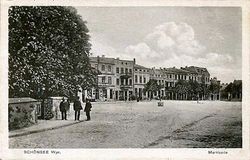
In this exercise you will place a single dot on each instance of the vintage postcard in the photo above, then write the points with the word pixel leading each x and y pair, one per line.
pixel 125 80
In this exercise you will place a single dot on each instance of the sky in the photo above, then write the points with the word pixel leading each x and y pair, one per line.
pixel 169 36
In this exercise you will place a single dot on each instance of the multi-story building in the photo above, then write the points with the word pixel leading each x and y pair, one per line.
pixel 141 77
pixel 115 79
pixel 160 76
pixel 124 74
pixel 199 74
pixel 122 79
pixel 173 75
pixel 105 80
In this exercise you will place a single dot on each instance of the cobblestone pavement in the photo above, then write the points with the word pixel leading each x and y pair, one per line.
pixel 179 124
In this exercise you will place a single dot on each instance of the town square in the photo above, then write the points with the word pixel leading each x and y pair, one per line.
pixel 145 125
pixel 124 77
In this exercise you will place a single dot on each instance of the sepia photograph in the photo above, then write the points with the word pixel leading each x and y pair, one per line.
pixel 124 77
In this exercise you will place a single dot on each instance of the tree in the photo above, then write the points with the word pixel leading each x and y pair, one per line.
pixel 182 87
pixel 233 90
pixel 237 89
pixel 152 86
pixel 48 52
pixel 195 89
pixel 214 87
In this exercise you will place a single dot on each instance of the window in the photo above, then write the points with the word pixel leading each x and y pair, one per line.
pixel 103 79
pixel 103 67
pixel 170 76
pixel 130 81
pixel 140 79
pixel 96 66
pixel 130 70
pixel 126 81
pixel 109 68
pixel 117 81
pixel 136 78
pixel 122 70
pixel 144 79
pixel 126 70
pixel 109 80
pixel 117 69
pixel 135 69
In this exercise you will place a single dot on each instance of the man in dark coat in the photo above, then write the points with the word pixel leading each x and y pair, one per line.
pixel 63 106
pixel 87 109
pixel 77 108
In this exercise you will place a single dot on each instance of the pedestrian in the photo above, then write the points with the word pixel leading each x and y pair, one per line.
pixel 77 107
pixel 63 106
pixel 67 106
pixel 87 109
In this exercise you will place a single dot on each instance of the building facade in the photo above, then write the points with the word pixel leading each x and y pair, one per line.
pixel 123 79
pixel 141 77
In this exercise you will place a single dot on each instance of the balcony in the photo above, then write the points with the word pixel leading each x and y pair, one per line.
pixel 104 85
pixel 126 75
pixel 125 87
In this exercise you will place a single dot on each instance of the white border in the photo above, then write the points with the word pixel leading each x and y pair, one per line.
pixel 126 153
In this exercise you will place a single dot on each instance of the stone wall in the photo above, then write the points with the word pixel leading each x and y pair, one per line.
pixel 22 114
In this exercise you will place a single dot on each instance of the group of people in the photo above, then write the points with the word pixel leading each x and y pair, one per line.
pixel 65 105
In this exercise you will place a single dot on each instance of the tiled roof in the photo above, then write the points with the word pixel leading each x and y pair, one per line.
pixel 176 70
pixel 197 70
pixel 21 100
pixel 102 60
pixel 139 66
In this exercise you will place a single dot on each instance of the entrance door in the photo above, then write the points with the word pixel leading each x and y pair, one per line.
pixel 126 95
pixel 111 93
pixel 116 95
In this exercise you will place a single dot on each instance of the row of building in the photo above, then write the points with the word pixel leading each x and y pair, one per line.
pixel 122 79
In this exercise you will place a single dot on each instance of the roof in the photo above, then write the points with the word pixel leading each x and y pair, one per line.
pixel 102 60
pixel 157 71
pixel 140 67
pixel 175 70
pixel 197 70
pixel 21 100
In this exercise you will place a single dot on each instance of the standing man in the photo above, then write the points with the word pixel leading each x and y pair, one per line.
pixel 77 108
pixel 67 107
pixel 63 106
pixel 87 109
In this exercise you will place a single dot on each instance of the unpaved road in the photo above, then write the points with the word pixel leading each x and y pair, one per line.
pixel 179 124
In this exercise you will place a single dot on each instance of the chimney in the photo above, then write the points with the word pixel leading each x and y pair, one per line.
pixel 134 61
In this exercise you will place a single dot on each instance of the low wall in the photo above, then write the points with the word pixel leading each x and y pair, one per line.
pixel 56 109
pixel 22 112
